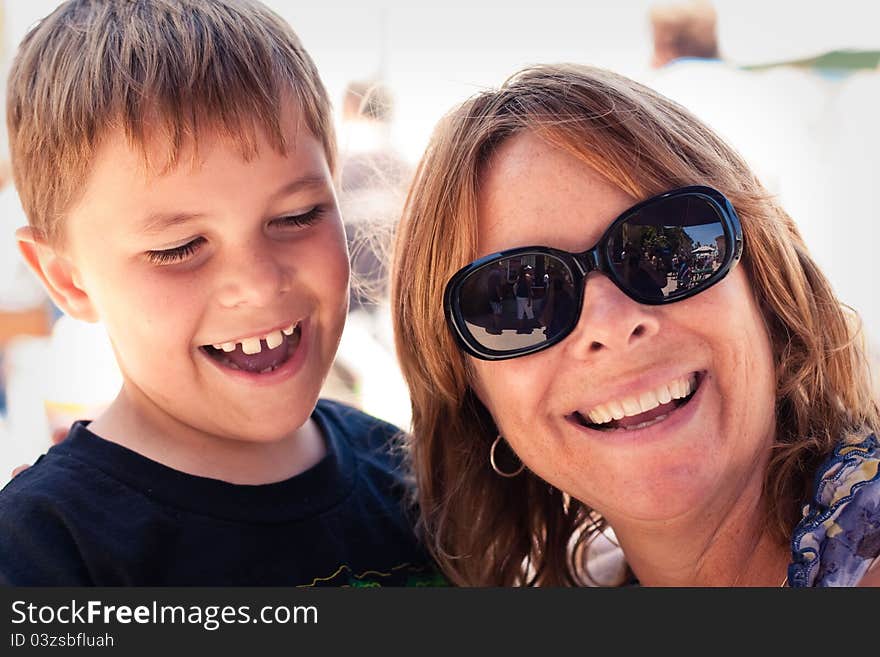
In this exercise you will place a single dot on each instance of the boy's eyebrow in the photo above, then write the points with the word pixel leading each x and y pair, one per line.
pixel 158 221
pixel 311 180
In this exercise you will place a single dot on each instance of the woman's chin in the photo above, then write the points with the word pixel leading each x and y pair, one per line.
pixel 658 484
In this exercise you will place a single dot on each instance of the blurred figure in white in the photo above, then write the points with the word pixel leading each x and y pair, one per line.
pixel 52 371
pixel 71 375
pixel 22 299
pixel 24 306
pixel 800 130
pixel 373 182
pixel 743 107
pixel 852 130
pixel 84 377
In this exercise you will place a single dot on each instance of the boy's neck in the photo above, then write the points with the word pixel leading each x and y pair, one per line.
pixel 147 430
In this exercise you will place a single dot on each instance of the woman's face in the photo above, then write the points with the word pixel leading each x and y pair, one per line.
pixel 713 348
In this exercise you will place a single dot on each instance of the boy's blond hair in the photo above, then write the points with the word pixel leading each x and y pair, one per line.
pixel 161 71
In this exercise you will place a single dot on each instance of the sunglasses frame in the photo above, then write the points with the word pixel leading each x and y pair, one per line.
pixel 582 264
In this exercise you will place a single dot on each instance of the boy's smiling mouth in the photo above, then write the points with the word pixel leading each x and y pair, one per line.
pixel 260 354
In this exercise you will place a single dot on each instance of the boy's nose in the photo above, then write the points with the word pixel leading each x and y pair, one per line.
pixel 253 277
pixel 610 321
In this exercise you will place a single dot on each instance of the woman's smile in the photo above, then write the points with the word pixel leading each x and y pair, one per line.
pixel 644 409
pixel 660 420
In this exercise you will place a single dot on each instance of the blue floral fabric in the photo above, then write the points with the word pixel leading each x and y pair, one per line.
pixel 839 535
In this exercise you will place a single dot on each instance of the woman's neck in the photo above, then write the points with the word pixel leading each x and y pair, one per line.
pixel 732 546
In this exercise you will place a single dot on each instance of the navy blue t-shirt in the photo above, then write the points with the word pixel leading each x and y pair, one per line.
pixel 91 512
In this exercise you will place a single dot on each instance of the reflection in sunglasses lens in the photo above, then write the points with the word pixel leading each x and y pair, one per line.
pixel 516 303
pixel 668 248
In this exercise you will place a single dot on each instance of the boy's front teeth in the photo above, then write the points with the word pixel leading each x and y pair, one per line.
pixel 252 346
pixel 274 339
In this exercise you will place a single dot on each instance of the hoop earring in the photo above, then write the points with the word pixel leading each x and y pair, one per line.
pixel 499 472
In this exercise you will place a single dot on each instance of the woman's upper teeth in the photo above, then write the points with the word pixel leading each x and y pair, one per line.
pixel 253 345
pixel 620 408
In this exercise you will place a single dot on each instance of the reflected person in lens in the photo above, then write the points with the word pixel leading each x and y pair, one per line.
pixel 690 389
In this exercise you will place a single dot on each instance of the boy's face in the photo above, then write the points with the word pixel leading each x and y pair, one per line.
pixel 247 256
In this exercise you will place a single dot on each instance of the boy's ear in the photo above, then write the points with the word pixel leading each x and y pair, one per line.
pixel 58 274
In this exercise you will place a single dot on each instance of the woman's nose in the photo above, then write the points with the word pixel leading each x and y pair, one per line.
pixel 610 320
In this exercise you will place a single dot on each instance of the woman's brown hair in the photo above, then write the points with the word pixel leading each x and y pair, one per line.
pixel 486 530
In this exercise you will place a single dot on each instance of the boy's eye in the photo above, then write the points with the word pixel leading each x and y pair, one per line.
pixel 181 253
pixel 177 254
pixel 300 220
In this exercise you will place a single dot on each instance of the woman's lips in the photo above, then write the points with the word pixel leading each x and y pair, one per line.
pixel 642 420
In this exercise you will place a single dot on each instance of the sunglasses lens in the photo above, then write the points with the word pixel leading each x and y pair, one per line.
pixel 669 248
pixel 518 303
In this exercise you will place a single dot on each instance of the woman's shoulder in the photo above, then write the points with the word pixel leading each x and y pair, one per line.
pixel 839 535
pixel 851 465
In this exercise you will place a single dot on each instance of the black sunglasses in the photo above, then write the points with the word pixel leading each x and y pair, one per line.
pixel 662 250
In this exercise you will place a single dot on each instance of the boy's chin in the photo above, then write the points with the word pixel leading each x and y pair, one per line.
pixel 263 431
pixel 262 424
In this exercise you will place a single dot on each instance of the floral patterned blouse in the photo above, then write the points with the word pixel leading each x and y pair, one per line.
pixel 838 538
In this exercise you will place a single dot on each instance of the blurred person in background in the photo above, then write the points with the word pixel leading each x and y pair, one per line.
pixel 373 183
pixel 777 118
pixel 684 30
pixel 690 70
pixel 372 188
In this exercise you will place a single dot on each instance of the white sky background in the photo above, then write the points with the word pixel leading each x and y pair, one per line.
pixel 435 54
pixel 434 57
